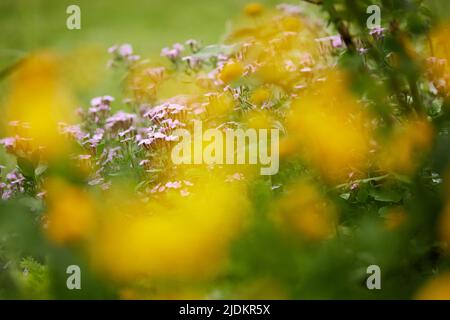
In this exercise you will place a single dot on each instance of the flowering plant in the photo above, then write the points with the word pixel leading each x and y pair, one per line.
pixel 362 120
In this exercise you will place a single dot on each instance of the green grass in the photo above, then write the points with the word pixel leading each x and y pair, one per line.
pixel 149 25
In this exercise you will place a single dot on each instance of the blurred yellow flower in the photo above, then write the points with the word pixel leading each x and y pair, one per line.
pixel 39 98
pixel 330 129
pixel 437 63
pixel 70 213
pixel 176 237
pixel 444 226
pixel 220 104
pixel 437 288
pixel 402 149
pixel 395 218
pixel 440 47
pixel 259 96
pixel 260 289
pixel 306 211
pixel 231 71
pixel 291 24
pixel 259 119
pixel 253 9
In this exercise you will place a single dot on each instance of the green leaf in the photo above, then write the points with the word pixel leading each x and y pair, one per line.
pixel 26 167
pixel 345 196
pixel 213 50
pixel 384 195
pixel 362 194
pixel 40 170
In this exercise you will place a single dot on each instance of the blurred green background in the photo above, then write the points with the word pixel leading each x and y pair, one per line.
pixel 148 25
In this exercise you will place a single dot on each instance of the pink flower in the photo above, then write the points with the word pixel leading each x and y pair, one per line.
pixel 130 130
pixel 172 124
pixel 74 131
pixel 7 194
pixel 172 53
pixel 377 32
pixel 14 177
pixel 289 9
pixel 120 120
pixel 111 154
pixel 100 106
pixel 184 193
pixel 155 188
pixel 354 186
pixel 102 101
pixel 171 138
pixel 175 108
pixel 113 49
pixel 192 62
pixel 9 143
pixel 84 156
pixel 173 185
pixel 158 135
pixel 145 142
pixel 336 41
pixel 235 177
pixel 96 138
pixel 157 112
pixel 123 51
pixel 178 46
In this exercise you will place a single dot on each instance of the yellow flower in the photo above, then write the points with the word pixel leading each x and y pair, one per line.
pixel 437 288
pixel 70 212
pixel 273 71
pixel 330 129
pixel 253 9
pixel 173 237
pixel 220 104
pixel 261 289
pixel 144 82
pixel 401 150
pixel 444 226
pixel 307 212
pixel 291 24
pixel 231 71
pixel 259 96
pixel 39 98
pixel 440 48
pixel 259 120
pixel 395 218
